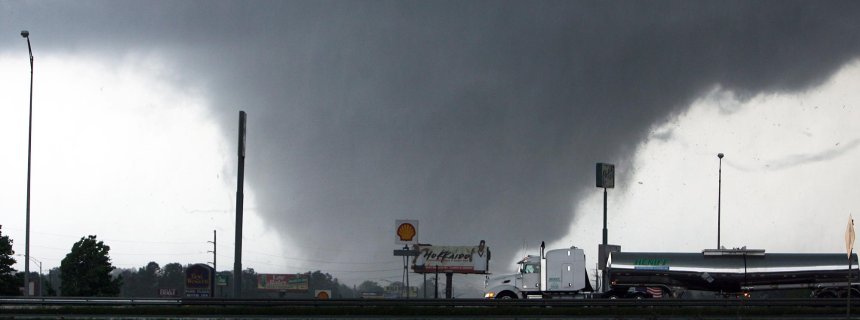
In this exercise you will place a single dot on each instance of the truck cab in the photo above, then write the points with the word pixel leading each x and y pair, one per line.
pixel 555 273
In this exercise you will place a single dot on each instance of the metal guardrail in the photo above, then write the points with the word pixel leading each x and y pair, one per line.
pixel 88 301
pixel 555 303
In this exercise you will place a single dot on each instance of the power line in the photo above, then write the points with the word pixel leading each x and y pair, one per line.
pixel 156 253
pixel 323 261
pixel 113 239
pixel 305 268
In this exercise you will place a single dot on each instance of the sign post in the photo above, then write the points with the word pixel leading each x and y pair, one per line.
pixel 406 233
pixel 605 174
pixel 434 259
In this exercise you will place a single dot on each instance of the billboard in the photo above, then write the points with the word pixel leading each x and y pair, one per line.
pixel 198 281
pixel 395 291
pixel 453 259
pixel 283 282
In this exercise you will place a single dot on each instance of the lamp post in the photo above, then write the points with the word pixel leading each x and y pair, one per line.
pixel 26 35
pixel 719 190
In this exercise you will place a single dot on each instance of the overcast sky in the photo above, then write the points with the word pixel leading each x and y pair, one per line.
pixel 482 120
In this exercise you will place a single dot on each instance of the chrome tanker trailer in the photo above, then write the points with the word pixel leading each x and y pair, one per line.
pixel 730 271
pixel 562 273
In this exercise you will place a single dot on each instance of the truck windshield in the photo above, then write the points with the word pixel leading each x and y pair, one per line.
pixel 531 268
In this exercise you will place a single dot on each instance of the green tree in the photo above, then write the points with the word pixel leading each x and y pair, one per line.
pixel 249 284
pixel 172 276
pixel 320 281
pixel 129 282
pixel 147 280
pixel 52 282
pixel 85 271
pixel 324 281
pixel 344 292
pixel 9 284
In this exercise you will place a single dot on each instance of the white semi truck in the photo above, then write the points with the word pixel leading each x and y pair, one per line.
pixel 562 273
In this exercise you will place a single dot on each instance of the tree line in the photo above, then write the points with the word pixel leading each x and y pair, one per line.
pixel 87 271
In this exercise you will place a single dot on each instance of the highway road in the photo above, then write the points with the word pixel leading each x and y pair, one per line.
pixel 147 308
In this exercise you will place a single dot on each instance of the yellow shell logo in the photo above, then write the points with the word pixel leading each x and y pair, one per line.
pixel 406 232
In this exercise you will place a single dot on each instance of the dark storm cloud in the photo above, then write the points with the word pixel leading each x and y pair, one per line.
pixel 481 119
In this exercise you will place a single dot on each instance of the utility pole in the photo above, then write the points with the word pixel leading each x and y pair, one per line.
pixel 214 251
pixel 237 258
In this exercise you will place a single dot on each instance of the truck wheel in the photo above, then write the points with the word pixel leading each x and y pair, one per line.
pixel 507 295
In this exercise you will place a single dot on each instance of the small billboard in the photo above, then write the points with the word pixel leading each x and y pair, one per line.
pixel 452 259
pixel 322 294
pixel 406 232
pixel 221 280
pixel 283 282
pixel 198 281
pixel 605 175
pixel 395 291
pixel 167 292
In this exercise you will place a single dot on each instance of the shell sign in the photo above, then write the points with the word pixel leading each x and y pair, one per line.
pixel 323 294
pixel 406 231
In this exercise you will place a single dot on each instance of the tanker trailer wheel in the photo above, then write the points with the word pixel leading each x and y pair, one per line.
pixel 506 295
pixel 854 293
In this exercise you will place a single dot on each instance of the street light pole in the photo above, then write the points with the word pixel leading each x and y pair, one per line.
pixel 26 35
pixel 719 191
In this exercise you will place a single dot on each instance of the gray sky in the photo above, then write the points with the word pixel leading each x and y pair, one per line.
pixel 483 120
